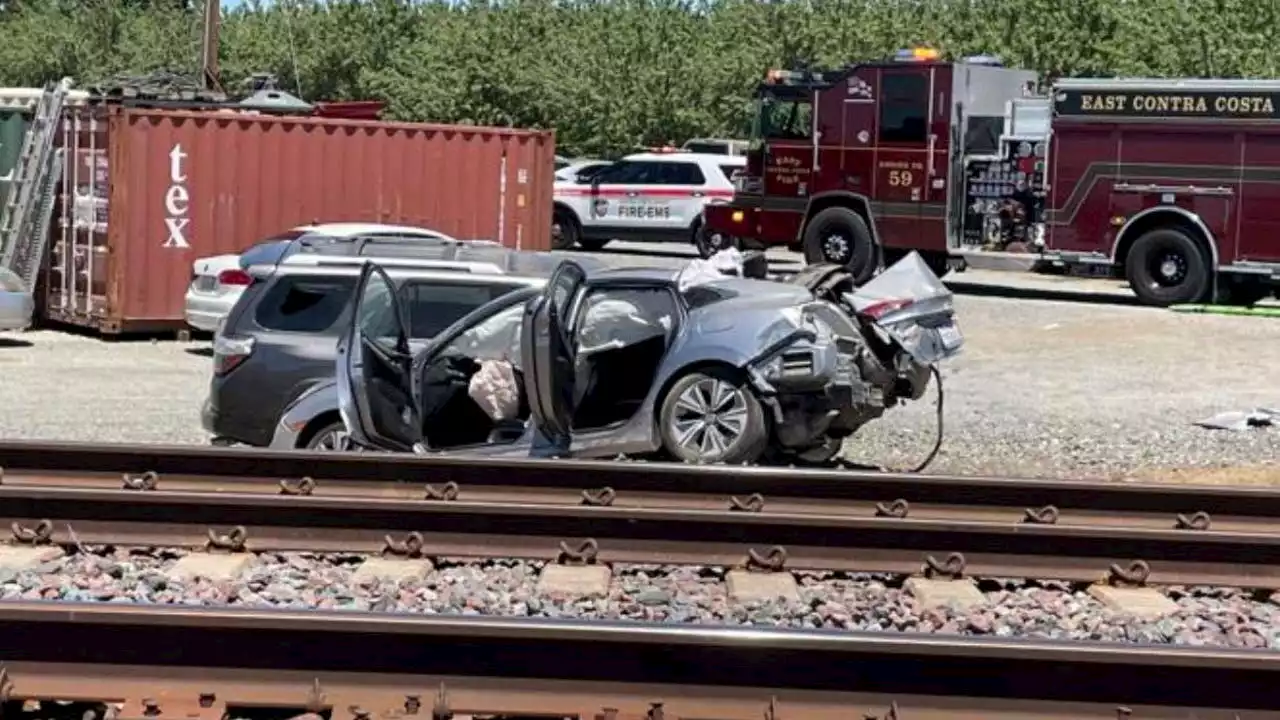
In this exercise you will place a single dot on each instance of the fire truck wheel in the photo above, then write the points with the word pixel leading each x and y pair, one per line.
pixel 1167 267
pixel 840 236
pixel 565 232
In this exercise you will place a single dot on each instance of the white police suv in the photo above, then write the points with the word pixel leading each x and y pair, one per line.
pixel 648 197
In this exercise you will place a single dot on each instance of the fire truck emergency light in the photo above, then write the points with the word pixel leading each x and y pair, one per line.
pixel 920 54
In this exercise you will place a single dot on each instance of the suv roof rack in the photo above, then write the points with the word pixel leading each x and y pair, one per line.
pixel 477 268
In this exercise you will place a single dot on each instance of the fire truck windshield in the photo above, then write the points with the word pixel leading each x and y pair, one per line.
pixel 786 118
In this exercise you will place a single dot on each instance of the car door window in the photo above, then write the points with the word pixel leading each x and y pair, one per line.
pixel 616 317
pixel 495 338
pixel 304 304
pixel 609 173
pixel 731 171
pixel 379 321
pixel 433 305
pixel 680 173
pixel 632 173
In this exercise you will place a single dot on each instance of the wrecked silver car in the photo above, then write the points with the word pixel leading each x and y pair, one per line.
pixel 694 364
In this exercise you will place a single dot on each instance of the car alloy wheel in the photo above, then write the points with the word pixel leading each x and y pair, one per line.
pixel 333 438
pixel 711 417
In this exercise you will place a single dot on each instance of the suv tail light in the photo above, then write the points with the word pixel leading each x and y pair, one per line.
pixel 230 353
pixel 235 276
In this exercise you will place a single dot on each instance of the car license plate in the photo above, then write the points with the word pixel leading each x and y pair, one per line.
pixel 206 282
pixel 950 336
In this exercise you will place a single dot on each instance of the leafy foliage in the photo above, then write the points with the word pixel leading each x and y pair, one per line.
pixel 611 75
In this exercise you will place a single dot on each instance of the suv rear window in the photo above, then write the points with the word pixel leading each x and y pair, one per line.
pixel 301 304
pixel 433 305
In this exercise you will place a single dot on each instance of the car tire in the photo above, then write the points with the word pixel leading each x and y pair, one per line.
pixel 739 433
pixel 708 243
pixel 1166 266
pixel 565 231
pixel 839 236
pixel 591 244
pixel 330 438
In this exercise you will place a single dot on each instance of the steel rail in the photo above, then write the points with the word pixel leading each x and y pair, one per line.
pixel 1255 506
pixel 585 533
pixel 946 676
pixel 687 499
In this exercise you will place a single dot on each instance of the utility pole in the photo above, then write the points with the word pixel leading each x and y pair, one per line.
pixel 209 45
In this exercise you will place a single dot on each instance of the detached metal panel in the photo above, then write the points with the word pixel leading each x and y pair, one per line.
pixel 146 192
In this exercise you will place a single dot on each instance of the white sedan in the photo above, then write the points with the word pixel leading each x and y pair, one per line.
pixel 218 281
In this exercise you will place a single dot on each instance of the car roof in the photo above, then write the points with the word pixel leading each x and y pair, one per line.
pixel 349 229
pixel 410 272
pixel 479 259
pixel 688 157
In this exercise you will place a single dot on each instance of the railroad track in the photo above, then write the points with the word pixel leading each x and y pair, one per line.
pixel 631 512
pixel 111 661
pixel 218 509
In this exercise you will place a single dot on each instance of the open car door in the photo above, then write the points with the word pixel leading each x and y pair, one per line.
pixel 548 354
pixel 375 395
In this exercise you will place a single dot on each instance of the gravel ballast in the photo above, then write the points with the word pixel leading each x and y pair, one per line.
pixel 664 594
pixel 1044 388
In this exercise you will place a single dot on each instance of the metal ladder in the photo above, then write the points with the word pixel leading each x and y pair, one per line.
pixel 28 209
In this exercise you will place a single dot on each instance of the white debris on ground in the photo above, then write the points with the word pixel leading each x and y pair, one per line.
pixel 1240 420
pixel 1043 388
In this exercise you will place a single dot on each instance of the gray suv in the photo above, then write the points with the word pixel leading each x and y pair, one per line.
pixel 273 364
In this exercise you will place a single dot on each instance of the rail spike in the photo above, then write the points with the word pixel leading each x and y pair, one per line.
pixel 148 480
pixel 899 509
pixel 409 548
pixel 304 486
pixel 891 715
pixel 1195 521
pixel 1047 515
pixel 445 493
pixel 1135 575
pixel 315 697
pixel 440 709
pixel 41 534
pixel 754 503
pixel 233 541
pixel 772 560
pixel 952 568
pixel 6 685
pixel 600 497
pixel 587 552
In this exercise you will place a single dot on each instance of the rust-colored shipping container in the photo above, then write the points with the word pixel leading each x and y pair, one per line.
pixel 146 192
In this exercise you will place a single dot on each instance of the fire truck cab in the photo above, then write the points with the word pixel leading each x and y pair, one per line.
pixel 1171 184
pixel 861 165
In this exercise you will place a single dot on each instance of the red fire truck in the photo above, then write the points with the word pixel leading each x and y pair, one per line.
pixel 1172 184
